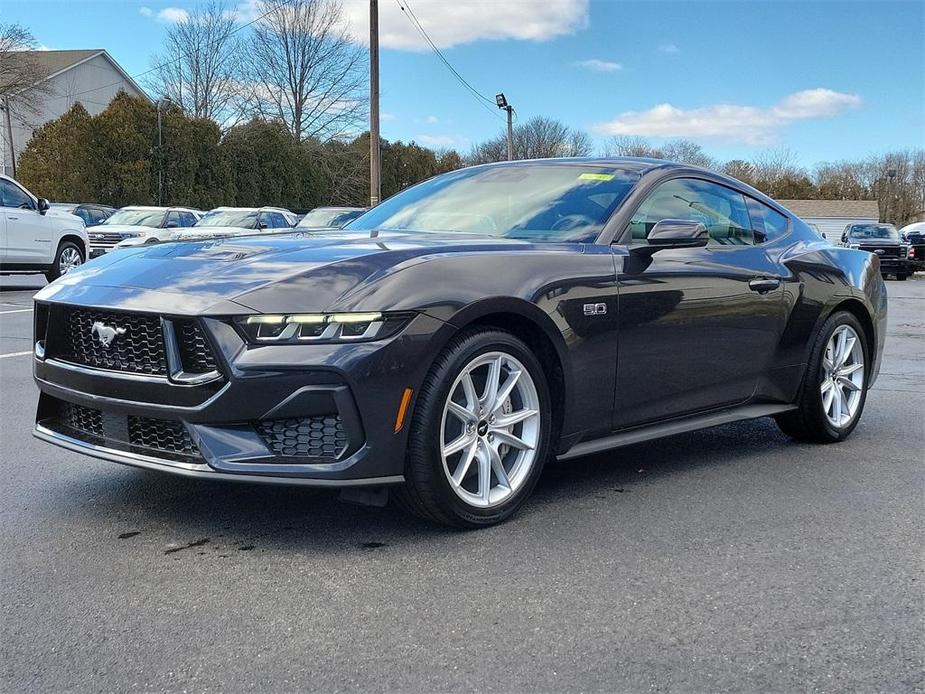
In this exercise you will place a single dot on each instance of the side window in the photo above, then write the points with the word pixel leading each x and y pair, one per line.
pixel 85 215
pixel 12 195
pixel 721 210
pixel 769 224
pixel 173 220
pixel 279 221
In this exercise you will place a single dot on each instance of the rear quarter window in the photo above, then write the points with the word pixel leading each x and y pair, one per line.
pixel 768 223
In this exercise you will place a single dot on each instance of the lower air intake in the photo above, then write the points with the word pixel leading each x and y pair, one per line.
pixel 321 436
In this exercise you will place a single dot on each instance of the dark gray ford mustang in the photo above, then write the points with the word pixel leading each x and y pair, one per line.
pixel 454 338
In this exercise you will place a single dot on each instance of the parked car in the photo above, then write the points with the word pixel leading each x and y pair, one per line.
pixel 883 240
pixel 236 221
pixel 329 217
pixel 914 235
pixel 461 333
pixel 91 213
pixel 36 238
pixel 140 225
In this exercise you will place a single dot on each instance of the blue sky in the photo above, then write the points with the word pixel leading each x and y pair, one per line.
pixel 827 80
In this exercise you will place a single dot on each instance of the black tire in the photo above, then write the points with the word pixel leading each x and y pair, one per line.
pixel 427 492
pixel 902 276
pixel 809 422
pixel 55 271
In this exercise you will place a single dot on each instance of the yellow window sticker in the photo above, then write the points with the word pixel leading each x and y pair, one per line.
pixel 597 177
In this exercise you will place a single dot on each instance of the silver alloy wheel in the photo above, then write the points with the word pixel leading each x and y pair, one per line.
pixel 70 258
pixel 842 376
pixel 490 429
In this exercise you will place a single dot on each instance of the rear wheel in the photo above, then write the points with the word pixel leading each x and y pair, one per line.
pixel 834 388
pixel 68 257
pixel 902 276
pixel 480 432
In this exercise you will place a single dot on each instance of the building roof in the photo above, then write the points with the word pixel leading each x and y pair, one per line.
pixel 839 209
pixel 53 63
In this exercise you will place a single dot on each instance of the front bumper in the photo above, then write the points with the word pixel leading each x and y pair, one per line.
pixel 255 420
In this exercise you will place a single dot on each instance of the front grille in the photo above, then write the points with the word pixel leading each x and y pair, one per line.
pixel 160 435
pixel 321 436
pixel 888 251
pixel 83 419
pixel 105 240
pixel 136 347
pixel 195 351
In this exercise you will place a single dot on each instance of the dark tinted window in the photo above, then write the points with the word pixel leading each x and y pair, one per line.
pixel 273 220
pixel 85 215
pixel 96 215
pixel 721 210
pixel 769 224
pixel 187 219
pixel 12 195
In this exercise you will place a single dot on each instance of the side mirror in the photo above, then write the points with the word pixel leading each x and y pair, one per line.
pixel 172 225
pixel 261 225
pixel 42 206
pixel 678 233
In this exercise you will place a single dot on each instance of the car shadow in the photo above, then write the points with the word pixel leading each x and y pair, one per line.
pixel 278 518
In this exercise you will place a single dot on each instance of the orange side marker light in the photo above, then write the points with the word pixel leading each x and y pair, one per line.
pixel 403 409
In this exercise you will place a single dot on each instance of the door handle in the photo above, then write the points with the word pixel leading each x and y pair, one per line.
pixel 12 218
pixel 764 285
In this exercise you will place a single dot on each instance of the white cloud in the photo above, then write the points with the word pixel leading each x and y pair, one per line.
pixel 172 15
pixel 451 23
pixel 145 11
pixel 669 48
pixel 598 65
pixel 731 122
pixel 430 120
pixel 441 140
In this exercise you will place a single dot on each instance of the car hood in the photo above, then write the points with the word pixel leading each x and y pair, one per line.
pixel 262 272
pixel 120 229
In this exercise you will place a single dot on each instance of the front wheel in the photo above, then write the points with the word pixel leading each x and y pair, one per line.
pixel 480 431
pixel 902 276
pixel 834 388
pixel 68 257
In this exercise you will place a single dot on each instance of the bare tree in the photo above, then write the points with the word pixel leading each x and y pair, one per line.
pixel 630 146
pixel 20 75
pixel 303 69
pixel 537 138
pixel 199 68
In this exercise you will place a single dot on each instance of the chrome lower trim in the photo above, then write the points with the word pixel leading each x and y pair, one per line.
pixel 196 470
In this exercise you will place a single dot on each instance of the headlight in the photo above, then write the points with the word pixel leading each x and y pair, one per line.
pixel 321 327
pixel 853 245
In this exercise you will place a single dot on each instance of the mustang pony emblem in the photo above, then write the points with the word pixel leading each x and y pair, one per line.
pixel 105 333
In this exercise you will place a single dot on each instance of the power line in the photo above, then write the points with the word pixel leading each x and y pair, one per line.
pixel 185 55
pixel 485 102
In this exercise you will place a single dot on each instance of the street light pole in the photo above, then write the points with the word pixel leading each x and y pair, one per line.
pixel 160 156
pixel 9 133
pixel 505 106
pixel 374 152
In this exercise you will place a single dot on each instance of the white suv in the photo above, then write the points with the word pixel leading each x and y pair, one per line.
pixel 34 238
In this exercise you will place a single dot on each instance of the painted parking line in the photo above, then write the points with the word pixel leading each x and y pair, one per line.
pixel 19 310
pixel 15 354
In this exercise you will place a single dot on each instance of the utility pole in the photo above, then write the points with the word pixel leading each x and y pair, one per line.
pixel 505 106
pixel 375 165
pixel 9 133
pixel 160 157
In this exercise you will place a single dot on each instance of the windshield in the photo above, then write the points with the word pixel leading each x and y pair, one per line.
pixel 328 218
pixel 138 218
pixel 559 202
pixel 246 219
pixel 873 231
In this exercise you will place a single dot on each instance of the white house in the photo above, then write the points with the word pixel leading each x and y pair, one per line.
pixel 90 77
pixel 832 216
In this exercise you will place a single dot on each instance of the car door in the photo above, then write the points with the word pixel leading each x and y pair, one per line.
pixel 28 236
pixel 697 325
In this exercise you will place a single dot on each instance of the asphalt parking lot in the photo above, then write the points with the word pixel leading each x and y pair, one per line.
pixel 728 559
